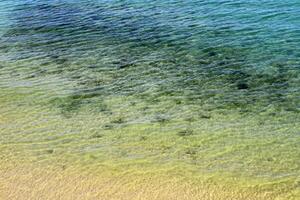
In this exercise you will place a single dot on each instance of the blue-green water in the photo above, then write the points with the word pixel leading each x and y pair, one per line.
pixel 215 84
pixel 222 54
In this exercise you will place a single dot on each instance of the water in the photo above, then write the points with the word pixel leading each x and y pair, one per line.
pixel 212 84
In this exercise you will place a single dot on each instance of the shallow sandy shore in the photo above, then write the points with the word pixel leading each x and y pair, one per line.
pixel 37 182
pixel 53 166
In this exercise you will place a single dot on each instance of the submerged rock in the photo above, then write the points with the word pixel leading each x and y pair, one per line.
pixel 212 53
pixel 184 133
pixel 242 86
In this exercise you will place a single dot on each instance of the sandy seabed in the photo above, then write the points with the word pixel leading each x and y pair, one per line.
pixel 27 181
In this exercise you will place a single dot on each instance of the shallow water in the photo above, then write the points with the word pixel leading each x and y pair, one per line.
pixel 215 85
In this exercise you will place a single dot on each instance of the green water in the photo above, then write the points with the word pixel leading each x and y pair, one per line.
pixel 209 85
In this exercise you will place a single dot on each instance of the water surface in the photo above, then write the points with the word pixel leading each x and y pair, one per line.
pixel 211 84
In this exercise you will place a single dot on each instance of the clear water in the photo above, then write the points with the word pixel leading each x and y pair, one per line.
pixel 212 84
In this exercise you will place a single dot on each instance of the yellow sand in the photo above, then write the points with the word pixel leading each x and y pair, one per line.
pixel 26 181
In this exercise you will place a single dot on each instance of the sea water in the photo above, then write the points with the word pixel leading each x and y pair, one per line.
pixel 214 85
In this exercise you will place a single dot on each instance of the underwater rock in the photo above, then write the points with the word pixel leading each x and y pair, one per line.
pixel 97 135
pixel 222 63
pixel 31 76
pixel 54 56
pixel 177 101
pixel 95 17
pixel 184 133
pixel 204 116
pixel 125 65
pixel 242 86
pixel 142 138
pixel 61 61
pixel 108 126
pixel 212 53
pixel 49 151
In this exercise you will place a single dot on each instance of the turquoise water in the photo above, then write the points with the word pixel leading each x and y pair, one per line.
pixel 222 54
pixel 215 84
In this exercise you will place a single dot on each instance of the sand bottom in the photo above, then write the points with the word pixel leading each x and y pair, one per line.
pixel 46 155
pixel 27 181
